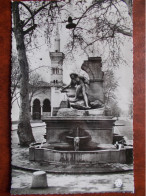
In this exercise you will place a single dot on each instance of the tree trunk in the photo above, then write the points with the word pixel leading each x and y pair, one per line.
pixel 24 127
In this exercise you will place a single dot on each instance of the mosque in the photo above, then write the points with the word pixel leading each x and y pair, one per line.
pixel 48 97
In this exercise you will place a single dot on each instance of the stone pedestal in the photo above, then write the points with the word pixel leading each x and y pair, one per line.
pixel 93 68
pixel 66 112
pixel 99 128
pixel 39 180
pixel 95 91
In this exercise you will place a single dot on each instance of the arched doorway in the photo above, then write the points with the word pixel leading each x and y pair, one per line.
pixel 36 109
pixel 46 105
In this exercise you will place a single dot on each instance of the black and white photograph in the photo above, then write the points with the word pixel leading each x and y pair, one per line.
pixel 72 97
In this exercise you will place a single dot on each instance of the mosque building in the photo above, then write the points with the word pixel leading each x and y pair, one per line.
pixel 47 98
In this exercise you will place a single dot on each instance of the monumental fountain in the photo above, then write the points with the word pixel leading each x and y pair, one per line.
pixel 84 131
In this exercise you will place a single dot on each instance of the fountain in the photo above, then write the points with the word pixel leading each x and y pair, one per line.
pixel 78 140
pixel 81 133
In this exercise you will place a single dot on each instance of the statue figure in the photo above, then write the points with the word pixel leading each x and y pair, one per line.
pixel 85 95
pixel 76 143
pixel 80 83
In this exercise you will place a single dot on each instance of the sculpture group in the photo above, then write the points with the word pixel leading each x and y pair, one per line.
pixel 83 93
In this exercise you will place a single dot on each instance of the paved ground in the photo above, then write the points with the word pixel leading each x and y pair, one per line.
pixel 38 132
pixel 63 184
pixel 33 125
pixel 21 180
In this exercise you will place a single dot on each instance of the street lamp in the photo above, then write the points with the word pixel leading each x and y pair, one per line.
pixel 70 24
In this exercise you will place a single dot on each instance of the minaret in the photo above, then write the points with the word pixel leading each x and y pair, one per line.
pixel 57 40
pixel 57 62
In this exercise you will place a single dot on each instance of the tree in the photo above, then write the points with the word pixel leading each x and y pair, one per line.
pixel 35 81
pixel 24 127
pixel 110 86
pixel 23 27
pixel 129 4
pixel 107 23
pixel 130 109
pixel 15 78
pixel 115 110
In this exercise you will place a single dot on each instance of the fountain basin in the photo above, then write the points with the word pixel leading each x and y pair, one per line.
pixel 79 157
pixel 96 131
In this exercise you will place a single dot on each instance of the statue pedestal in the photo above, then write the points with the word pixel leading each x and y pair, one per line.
pixel 70 112
pixel 93 68
pixel 99 128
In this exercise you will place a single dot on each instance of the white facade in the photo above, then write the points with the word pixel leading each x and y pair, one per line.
pixel 56 67
pixel 56 97
pixel 43 96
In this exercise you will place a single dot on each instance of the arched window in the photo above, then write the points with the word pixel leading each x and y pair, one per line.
pixel 56 81
pixel 36 109
pixel 46 105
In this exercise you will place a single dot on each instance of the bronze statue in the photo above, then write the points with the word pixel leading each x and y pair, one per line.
pixel 80 83
pixel 81 93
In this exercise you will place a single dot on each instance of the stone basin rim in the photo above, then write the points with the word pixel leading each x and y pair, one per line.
pixel 83 152
pixel 81 137
pixel 86 118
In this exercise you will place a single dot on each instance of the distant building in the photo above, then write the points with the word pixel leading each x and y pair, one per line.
pixel 47 96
